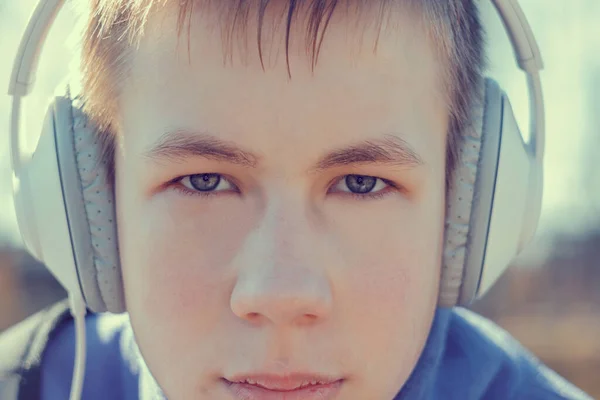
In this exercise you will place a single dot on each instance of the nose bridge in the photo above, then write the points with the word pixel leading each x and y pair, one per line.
pixel 288 227
pixel 279 278
pixel 288 223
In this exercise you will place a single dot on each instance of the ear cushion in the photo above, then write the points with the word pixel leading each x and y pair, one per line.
pixel 470 201
pixel 89 201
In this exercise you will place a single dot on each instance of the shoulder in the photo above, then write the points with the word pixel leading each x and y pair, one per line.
pixel 502 367
pixel 48 341
pixel 22 346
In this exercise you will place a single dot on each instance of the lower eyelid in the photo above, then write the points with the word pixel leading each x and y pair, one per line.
pixel 178 187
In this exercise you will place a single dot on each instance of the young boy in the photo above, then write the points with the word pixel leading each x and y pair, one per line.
pixel 280 175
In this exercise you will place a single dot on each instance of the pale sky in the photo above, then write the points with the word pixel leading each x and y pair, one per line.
pixel 569 36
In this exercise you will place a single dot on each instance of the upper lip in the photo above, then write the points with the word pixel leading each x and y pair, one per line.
pixel 283 382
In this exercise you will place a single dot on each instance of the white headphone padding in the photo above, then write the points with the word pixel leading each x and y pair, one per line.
pixel 90 206
pixel 460 196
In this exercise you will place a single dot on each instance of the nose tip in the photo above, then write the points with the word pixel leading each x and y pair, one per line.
pixel 274 301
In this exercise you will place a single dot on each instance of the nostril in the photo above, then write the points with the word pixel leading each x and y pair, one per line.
pixel 252 315
pixel 253 318
pixel 309 319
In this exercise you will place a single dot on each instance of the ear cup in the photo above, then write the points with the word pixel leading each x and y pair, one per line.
pixel 517 200
pixel 492 191
pixel 90 208
pixel 470 196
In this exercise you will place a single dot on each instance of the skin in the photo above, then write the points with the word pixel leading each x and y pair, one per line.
pixel 281 269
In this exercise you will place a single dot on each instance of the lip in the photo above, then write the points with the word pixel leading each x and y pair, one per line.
pixel 294 386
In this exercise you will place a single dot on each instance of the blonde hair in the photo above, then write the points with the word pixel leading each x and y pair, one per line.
pixel 115 27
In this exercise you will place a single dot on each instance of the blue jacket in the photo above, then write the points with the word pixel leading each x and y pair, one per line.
pixel 466 358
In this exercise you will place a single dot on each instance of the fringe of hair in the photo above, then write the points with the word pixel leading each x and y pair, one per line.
pixel 115 27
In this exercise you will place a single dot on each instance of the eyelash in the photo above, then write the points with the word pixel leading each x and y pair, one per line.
pixel 391 187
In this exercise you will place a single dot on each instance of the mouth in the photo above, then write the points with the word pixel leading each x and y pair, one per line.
pixel 283 387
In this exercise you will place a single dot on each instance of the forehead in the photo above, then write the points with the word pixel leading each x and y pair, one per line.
pixel 368 76
pixel 374 36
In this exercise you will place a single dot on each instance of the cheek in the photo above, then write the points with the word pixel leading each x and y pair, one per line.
pixel 397 246
pixel 397 270
pixel 173 265
pixel 389 287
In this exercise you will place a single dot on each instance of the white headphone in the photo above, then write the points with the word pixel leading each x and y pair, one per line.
pixel 65 204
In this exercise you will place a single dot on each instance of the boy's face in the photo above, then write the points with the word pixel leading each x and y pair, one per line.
pixel 317 249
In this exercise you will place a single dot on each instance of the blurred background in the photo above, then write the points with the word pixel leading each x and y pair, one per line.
pixel 549 299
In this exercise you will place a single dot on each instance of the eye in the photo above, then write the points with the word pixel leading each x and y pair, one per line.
pixel 363 186
pixel 205 183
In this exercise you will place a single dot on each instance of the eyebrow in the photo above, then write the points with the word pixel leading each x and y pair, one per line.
pixel 181 144
pixel 389 149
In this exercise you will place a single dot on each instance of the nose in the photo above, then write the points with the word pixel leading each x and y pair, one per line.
pixel 282 274
pixel 287 296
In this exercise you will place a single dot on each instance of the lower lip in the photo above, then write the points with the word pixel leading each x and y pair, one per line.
pixel 244 391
